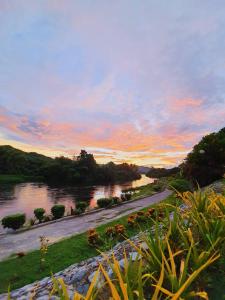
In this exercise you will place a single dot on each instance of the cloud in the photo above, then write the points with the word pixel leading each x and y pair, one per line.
pixel 126 77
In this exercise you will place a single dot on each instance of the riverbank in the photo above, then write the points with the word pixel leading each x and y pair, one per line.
pixel 25 197
pixel 168 233
pixel 21 271
pixel 13 179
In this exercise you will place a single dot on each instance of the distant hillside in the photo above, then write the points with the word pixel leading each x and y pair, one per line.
pixel 15 161
pixel 62 170
pixel 162 172
pixel 143 169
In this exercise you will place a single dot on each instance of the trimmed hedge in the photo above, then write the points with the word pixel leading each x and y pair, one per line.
pixel 14 221
pixel 126 196
pixel 115 200
pixel 80 207
pixel 104 202
pixel 39 213
pixel 58 211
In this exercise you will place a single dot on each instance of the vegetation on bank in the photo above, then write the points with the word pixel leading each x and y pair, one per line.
pixel 82 169
pixel 13 179
pixel 59 211
pixel 206 162
pixel 203 165
pixel 182 259
pixel 20 270
pixel 162 172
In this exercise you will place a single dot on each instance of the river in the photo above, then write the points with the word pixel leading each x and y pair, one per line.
pixel 25 197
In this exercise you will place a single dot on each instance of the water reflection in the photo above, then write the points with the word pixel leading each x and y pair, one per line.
pixel 25 197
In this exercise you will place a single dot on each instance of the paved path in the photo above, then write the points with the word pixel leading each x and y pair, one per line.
pixel 29 240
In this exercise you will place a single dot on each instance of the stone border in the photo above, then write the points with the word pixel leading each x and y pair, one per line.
pixel 74 216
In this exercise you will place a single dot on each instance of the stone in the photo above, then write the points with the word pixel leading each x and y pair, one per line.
pixel 134 256
pixel 83 289
pixel 121 263
pixel 78 276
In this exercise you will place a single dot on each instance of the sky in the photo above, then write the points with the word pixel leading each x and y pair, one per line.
pixel 135 81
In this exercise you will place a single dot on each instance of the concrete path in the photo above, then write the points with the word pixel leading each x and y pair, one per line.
pixel 29 240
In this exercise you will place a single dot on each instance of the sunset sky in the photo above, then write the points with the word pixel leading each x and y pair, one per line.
pixel 136 81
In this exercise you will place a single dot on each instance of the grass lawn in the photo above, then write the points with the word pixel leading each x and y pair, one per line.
pixel 18 272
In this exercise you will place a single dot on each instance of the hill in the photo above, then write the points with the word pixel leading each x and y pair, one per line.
pixel 15 161
pixel 62 170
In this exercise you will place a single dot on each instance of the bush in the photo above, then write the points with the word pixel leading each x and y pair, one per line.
pixel 104 202
pixel 58 211
pixel 181 185
pixel 39 213
pixel 126 196
pixel 80 207
pixel 93 237
pixel 140 217
pixel 115 200
pixel 156 188
pixel 14 221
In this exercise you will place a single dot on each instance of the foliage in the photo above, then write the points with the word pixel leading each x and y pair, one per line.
pixel 93 237
pixel 39 213
pixel 14 221
pixel 81 206
pixel 44 242
pixel 140 216
pixel 131 220
pixel 115 200
pixel 120 229
pixel 58 211
pixel 180 185
pixel 126 196
pixel 61 254
pixel 206 162
pixel 162 172
pixel 104 202
pixel 110 231
pixel 20 166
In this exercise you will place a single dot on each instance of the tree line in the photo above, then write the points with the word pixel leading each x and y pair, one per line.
pixel 62 170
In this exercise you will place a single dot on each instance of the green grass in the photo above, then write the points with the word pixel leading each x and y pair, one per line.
pixel 18 272
pixel 12 179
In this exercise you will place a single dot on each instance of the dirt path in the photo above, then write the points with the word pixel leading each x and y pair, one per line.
pixel 29 240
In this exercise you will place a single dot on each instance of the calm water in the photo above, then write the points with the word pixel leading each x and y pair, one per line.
pixel 24 197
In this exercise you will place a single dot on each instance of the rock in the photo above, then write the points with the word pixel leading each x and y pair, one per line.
pixel 121 263
pixel 83 289
pixel 78 276
pixel 134 256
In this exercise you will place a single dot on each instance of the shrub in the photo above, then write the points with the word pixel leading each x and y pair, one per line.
pixel 39 213
pixel 58 211
pixel 93 237
pixel 126 196
pixel 115 200
pixel 110 231
pixel 104 202
pixel 81 206
pixel 141 216
pixel 14 221
pixel 156 188
pixel 181 185
pixel 131 220
pixel 119 229
pixel 150 212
